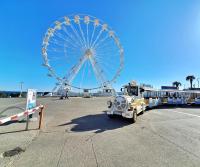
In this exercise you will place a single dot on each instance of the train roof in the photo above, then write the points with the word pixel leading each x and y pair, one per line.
pixel 180 91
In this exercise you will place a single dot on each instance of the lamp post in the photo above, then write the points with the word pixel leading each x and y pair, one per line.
pixel 21 87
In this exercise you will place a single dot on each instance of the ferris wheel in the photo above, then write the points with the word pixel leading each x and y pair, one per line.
pixel 82 52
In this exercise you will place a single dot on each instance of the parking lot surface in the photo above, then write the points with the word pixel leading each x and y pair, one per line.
pixel 77 132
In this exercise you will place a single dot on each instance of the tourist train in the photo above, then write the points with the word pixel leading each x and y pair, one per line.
pixel 135 99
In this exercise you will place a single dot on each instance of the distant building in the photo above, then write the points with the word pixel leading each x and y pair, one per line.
pixel 169 87
pixel 146 85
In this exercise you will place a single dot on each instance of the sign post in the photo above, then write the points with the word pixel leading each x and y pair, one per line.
pixel 30 103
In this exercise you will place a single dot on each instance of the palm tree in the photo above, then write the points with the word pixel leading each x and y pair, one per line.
pixel 176 84
pixel 190 78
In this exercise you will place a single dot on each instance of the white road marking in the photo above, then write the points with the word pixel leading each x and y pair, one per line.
pixel 187 114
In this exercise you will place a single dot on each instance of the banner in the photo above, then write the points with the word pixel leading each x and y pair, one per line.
pixel 31 99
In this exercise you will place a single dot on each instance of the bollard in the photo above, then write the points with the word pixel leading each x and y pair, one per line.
pixel 41 113
pixel 27 122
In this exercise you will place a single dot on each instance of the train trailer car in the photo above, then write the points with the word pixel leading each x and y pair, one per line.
pixel 135 99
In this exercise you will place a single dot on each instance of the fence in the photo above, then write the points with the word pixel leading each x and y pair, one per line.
pixel 26 113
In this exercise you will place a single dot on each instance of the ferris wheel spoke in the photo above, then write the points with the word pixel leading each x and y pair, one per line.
pixel 83 73
pixel 107 55
pixel 56 43
pixel 105 44
pixel 71 50
pixel 107 60
pixel 54 50
pixel 58 53
pixel 72 38
pixel 55 58
pixel 113 40
pixel 101 41
pixel 98 70
pixel 68 40
pixel 63 38
pixel 55 88
pixel 106 65
pixel 87 36
pixel 77 35
pixel 75 69
pixel 66 56
pixel 99 79
pixel 97 37
pixel 83 37
pixel 90 43
pixel 63 45
pixel 106 48
pixel 67 53
pixel 63 49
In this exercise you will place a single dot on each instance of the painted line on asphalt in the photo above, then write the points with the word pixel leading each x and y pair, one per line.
pixel 187 114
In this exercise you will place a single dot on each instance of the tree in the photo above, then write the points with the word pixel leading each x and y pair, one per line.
pixel 190 78
pixel 176 84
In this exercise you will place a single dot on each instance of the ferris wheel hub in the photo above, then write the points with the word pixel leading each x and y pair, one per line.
pixel 88 53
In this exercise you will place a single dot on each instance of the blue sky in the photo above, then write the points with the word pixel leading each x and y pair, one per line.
pixel 160 38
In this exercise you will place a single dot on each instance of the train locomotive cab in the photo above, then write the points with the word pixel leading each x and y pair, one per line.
pixel 129 104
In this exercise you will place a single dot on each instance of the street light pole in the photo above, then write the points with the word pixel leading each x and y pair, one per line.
pixel 21 87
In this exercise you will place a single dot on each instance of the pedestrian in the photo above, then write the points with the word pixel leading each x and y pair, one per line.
pixel 66 94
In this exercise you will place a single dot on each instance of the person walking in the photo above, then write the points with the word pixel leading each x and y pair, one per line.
pixel 66 94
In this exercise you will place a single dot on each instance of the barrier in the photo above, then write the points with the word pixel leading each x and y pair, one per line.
pixel 26 113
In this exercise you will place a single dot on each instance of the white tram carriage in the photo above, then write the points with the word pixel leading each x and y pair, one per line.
pixel 135 99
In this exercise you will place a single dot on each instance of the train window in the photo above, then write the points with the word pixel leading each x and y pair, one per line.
pixel 132 90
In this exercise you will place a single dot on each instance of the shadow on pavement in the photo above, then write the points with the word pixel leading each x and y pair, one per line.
pixel 16 131
pixel 98 122
pixel 12 122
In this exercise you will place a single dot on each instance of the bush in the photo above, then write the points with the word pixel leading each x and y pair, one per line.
pixel 3 95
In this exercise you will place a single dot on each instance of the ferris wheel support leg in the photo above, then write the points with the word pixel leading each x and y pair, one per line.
pixel 114 93
pixel 72 74
pixel 97 71
pixel 101 77
pixel 54 89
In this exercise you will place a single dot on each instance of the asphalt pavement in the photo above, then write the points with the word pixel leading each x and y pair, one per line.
pixel 77 132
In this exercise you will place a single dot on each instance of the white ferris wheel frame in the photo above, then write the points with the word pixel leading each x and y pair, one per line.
pixel 68 78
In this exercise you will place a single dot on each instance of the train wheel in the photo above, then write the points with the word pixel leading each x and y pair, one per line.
pixel 110 116
pixel 134 119
pixel 143 108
